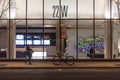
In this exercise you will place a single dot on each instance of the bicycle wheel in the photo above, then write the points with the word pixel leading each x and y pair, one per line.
pixel 56 60
pixel 70 60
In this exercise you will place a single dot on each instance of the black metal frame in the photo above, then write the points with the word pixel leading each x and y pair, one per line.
pixel 77 19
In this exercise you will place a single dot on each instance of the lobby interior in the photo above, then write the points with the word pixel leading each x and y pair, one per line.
pixel 58 26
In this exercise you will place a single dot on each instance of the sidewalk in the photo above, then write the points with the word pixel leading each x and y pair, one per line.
pixel 50 65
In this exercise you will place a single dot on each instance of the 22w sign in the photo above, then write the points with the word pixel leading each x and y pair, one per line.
pixel 60 10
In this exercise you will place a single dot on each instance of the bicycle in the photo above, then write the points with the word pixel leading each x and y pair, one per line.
pixel 61 59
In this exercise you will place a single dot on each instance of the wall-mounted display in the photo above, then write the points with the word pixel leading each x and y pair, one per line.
pixel 19 36
pixel 19 42
pixel 36 39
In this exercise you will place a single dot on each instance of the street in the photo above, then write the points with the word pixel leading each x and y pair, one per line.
pixel 60 74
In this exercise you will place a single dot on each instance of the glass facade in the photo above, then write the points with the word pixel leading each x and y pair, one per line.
pixel 60 26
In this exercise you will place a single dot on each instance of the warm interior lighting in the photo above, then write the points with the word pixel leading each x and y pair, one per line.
pixel 38 55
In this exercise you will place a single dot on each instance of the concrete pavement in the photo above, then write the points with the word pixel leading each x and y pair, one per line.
pixel 50 65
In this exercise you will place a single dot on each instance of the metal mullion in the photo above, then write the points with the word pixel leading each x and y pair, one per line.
pixel 94 28
pixel 111 30
pixel 60 23
pixel 43 30
pixel 26 23
pixel 77 27
pixel 9 28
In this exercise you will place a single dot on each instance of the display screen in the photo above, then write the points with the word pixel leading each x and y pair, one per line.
pixel 46 42
pixel 37 42
pixel 19 42
pixel 28 42
pixel 19 36
pixel 29 37
pixel 36 39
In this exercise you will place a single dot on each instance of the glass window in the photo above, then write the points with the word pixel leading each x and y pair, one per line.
pixel 100 9
pixel 20 9
pixel 69 41
pixel 35 8
pixel 85 38
pixel 51 9
pixel 68 9
pixel 116 40
pixel 50 38
pixel 4 9
pixel 3 39
pixel 100 39
pixel 20 38
pixel 115 7
pixel 85 8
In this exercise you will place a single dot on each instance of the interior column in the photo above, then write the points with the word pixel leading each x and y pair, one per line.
pixel 11 46
pixel 108 40
pixel 60 36
pixel 57 39
pixel 63 38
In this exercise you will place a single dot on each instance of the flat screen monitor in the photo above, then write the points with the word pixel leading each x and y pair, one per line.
pixel 28 42
pixel 46 42
pixel 29 37
pixel 36 37
pixel 19 36
pixel 36 42
pixel 19 42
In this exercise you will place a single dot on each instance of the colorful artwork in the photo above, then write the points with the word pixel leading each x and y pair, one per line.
pixel 85 44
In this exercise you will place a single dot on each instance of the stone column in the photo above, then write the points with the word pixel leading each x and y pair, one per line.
pixel 60 36
pixel 57 39
pixel 11 46
pixel 108 40
pixel 63 37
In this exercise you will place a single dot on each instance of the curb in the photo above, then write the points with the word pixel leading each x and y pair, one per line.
pixel 59 67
